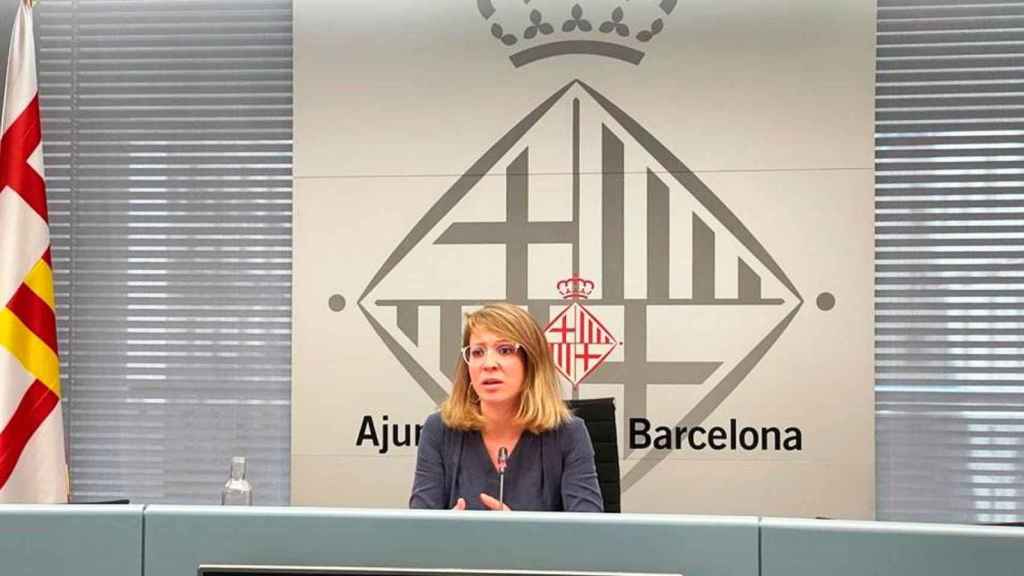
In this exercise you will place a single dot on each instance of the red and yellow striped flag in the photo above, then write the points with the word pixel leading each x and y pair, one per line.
pixel 33 466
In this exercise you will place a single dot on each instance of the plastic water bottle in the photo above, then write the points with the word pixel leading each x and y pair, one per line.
pixel 237 491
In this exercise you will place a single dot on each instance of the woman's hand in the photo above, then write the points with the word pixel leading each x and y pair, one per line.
pixel 493 504
pixel 460 504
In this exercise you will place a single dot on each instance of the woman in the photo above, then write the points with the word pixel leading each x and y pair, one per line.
pixel 506 395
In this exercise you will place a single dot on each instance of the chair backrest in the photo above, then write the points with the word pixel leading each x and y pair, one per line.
pixel 599 416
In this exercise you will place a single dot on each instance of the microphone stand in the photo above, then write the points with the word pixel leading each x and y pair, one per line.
pixel 502 464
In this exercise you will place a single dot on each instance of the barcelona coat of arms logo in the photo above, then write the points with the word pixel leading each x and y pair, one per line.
pixel 578 341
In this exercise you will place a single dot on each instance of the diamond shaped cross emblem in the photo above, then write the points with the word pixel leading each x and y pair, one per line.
pixel 578 342
pixel 702 312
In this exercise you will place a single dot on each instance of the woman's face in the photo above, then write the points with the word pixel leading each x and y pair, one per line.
pixel 496 368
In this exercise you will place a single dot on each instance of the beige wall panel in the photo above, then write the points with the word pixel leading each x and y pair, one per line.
pixel 412 87
pixel 433 174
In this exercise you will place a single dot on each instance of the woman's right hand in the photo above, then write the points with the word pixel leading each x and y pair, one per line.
pixel 460 504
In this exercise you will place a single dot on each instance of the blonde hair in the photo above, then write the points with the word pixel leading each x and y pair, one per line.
pixel 541 407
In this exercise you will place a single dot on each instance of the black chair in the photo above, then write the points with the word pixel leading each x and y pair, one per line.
pixel 599 416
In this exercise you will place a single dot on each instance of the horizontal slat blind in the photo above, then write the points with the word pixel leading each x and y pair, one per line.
pixel 168 146
pixel 950 260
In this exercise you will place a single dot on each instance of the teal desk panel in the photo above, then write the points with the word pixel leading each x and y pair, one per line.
pixel 838 548
pixel 179 538
pixel 76 540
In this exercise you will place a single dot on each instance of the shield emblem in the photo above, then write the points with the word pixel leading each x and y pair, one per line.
pixel 578 342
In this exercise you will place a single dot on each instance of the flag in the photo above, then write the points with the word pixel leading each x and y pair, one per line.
pixel 33 466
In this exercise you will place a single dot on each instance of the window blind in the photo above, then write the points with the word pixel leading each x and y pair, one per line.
pixel 167 133
pixel 949 174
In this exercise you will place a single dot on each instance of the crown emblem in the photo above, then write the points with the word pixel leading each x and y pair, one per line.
pixel 575 288
pixel 538 29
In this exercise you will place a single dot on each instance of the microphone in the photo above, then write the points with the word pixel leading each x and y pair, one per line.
pixel 502 465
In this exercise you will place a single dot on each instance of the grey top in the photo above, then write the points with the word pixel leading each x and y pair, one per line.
pixel 550 471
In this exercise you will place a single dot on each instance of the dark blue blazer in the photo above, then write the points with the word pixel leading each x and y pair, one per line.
pixel 567 454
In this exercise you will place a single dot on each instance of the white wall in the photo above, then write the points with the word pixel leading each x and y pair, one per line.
pixel 770 105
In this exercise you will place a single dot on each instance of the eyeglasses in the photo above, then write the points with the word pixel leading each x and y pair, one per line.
pixel 476 354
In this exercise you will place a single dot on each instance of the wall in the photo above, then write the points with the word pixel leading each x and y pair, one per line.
pixel 714 183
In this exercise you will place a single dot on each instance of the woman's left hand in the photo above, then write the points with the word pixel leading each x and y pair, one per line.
pixel 493 504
